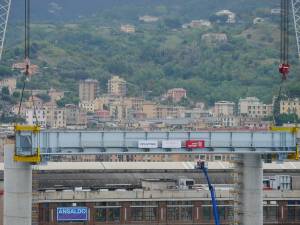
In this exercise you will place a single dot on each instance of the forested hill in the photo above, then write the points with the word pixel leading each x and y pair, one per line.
pixel 78 39
pixel 63 10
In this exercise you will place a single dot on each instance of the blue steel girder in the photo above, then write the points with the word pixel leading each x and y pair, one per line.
pixel 64 142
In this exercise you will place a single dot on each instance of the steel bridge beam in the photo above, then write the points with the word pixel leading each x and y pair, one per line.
pixel 58 142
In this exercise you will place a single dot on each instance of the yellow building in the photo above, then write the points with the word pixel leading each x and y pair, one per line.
pixel 290 106
pixel 56 117
pixel 116 86
pixel 150 109
pixel 134 103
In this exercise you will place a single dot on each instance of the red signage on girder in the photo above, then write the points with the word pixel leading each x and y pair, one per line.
pixel 195 144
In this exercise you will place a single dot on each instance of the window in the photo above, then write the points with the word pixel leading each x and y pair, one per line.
pixel 144 211
pixel 45 212
pixel 107 211
pixel 218 157
pixel 100 215
pixel 206 213
pixel 180 211
pixel 270 213
pixel 293 213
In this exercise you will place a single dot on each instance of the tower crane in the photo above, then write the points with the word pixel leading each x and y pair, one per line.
pixel 4 13
pixel 296 15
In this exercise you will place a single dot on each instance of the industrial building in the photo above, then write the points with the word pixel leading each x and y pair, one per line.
pixel 153 193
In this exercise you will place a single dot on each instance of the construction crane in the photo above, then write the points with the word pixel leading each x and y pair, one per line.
pixel 201 166
pixel 296 15
pixel 284 66
pixel 33 155
pixel 4 13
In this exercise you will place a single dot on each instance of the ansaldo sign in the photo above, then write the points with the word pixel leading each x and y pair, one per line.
pixel 72 214
pixel 195 144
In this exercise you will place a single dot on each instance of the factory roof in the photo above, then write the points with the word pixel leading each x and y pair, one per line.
pixel 217 165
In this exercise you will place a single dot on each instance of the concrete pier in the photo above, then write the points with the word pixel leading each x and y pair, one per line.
pixel 17 190
pixel 252 190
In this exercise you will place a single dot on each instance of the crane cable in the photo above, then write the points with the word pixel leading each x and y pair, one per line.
pixel 27 61
pixel 284 67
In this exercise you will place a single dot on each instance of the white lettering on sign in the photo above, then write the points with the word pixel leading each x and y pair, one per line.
pixel 171 144
pixel 72 210
pixel 148 144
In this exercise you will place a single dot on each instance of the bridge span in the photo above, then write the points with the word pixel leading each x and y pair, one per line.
pixel 248 145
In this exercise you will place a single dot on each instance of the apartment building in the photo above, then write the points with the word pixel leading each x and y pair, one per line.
pixel 290 106
pixel 56 117
pixel 39 116
pixel 176 94
pixel 223 109
pixel 88 90
pixel 116 86
pixel 88 106
pixel 253 107
pixel 74 116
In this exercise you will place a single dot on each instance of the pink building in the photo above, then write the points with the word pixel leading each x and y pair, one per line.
pixel 176 94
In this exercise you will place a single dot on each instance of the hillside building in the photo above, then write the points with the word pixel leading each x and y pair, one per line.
pixel 10 83
pixel 223 109
pixel 253 107
pixel 214 38
pixel 74 116
pixel 56 117
pixel 148 19
pixel 231 17
pixel 88 90
pixel 88 106
pixel 290 106
pixel 176 94
pixel 127 28
pixel 117 86
pixel 55 95
pixel 198 24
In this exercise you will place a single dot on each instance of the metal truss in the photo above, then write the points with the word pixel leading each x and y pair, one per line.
pixel 4 13
pixel 296 15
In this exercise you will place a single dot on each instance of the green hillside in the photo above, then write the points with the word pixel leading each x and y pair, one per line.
pixel 162 55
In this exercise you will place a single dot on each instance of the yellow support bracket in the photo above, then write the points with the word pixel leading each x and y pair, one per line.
pixel 285 129
pixel 36 157
pixel 34 128
pixel 294 130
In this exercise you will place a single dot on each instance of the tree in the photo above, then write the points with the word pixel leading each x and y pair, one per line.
pixel 5 71
pixel 287 118
pixel 5 91
pixel 44 97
